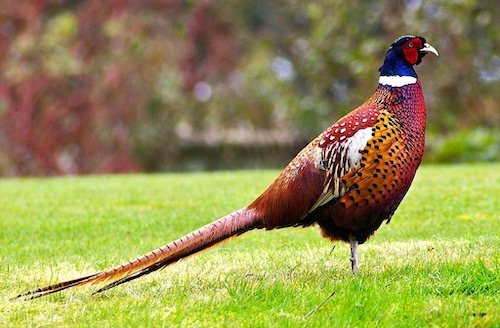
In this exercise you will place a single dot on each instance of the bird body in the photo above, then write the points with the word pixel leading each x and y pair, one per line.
pixel 348 180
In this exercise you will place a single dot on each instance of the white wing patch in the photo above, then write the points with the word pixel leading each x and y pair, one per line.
pixel 338 159
pixel 356 144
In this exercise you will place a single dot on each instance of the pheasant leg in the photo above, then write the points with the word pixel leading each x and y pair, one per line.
pixel 354 254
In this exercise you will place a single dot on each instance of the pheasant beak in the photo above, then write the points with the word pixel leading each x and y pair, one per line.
pixel 428 48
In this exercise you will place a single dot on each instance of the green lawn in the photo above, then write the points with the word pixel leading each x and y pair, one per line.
pixel 436 264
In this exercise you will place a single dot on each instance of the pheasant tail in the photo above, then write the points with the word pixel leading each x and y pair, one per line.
pixel 210 235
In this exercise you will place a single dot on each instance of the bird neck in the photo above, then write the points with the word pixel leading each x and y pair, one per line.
pixel 396 72
pixel 406 103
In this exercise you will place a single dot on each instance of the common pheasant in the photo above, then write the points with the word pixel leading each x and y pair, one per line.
pixel 348 180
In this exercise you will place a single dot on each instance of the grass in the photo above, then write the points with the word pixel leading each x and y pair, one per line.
pixel 436 264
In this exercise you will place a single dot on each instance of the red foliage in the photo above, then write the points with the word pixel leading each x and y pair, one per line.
pixel 70 123
pixel 211 47
pixel 75 122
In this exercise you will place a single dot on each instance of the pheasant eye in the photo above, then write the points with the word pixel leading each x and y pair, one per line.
pixel 410 45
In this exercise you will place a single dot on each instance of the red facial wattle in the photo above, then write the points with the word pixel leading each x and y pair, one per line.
pixel 411 49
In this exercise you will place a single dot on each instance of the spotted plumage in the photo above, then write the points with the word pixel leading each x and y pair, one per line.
pixel 375 184
pixel 348 180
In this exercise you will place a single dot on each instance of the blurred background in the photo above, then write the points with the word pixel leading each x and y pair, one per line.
pixel 140 86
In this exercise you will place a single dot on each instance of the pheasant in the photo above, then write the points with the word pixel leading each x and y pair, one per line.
pixel 348 180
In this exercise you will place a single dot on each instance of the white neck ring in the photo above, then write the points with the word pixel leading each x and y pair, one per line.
pixel 396 80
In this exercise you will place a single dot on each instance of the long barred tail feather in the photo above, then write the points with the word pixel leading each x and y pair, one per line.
pixel 206 237
pixel 42 291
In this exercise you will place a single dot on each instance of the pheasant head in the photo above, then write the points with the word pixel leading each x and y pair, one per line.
pixel 405 52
